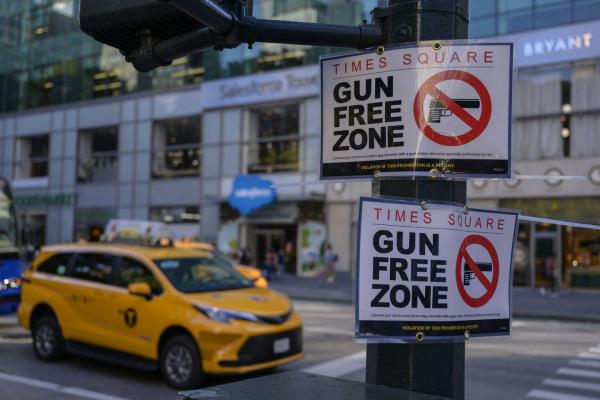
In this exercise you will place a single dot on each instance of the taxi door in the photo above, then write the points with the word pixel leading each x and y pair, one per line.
pixel 134 320
pixel 91 290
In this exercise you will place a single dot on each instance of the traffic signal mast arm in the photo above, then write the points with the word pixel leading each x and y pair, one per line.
pixel 230 27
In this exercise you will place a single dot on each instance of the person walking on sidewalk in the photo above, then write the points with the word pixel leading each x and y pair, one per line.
pixel 331 258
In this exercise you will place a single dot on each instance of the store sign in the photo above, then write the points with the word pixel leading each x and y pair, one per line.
pixel 54 200
pixel 418 108
pixel 557 44
pixel 260 88
pixel 432 272
pixel 250 193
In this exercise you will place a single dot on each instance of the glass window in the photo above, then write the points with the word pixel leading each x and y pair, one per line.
pixel 552 14
pixel 482 7
pixel 98 155
pixel 32 157
pixel 131 271
pixel 275 141
pixel 8 222
pixel 176 215
pixel 512 5
pixel 93 267
pixel 55 265
pixel 515 21
pixel 480 27
pixel 194 275
pixel 586 9
pixel 176 151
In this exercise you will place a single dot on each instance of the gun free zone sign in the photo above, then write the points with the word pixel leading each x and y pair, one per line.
pixel 443 106
pixel 437 272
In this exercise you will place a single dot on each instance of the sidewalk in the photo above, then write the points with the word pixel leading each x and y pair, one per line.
pixel 527 302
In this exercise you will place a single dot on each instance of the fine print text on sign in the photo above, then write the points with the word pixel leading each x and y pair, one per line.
pixel 417 109
pixel 438 271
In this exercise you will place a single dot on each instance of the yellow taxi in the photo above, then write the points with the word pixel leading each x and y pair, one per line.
pixel 248 271
pixel 163 308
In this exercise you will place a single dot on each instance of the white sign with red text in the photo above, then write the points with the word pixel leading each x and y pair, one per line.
pixel 439 270
pixel 416 109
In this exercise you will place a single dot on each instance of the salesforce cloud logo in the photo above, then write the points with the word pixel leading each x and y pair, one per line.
pixel 250 193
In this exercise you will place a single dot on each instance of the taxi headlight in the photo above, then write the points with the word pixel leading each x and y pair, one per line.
pixel 225 316
pixel 10 283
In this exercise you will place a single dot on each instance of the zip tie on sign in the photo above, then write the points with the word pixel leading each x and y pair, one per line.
pixel 558 222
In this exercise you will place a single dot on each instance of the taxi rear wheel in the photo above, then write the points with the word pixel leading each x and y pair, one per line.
pixel 48 342
pixel 180 363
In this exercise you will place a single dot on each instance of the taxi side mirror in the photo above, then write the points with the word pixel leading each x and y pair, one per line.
pixel 140 289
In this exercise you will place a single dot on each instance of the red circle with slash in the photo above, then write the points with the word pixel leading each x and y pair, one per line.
pixel 477 125
pixel 489 285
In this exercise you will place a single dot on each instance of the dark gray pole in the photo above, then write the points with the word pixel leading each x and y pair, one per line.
pixel 433 368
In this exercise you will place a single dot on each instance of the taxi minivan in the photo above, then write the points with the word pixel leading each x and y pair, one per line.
pixel 248 271
pixel 160 308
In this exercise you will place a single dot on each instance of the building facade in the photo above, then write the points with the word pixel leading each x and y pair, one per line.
pixel 85 138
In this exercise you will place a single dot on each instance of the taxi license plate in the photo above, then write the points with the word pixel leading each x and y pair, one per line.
pixel 281 345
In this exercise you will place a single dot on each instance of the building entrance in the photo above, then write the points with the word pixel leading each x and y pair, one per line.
pixel 280 238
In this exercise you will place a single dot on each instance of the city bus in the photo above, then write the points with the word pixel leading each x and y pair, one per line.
pixel 11 264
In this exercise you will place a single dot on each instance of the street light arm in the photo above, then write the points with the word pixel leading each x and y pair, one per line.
pixel 304 33
pixel 207 12
pixel 152 55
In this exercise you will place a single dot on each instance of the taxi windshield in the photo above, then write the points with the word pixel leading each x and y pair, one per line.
pixel 195 275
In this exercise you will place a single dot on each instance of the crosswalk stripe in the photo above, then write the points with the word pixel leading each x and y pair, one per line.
pixel 55 387
pixel 341 366
pixel 594 349
pixel 549 395
pixel 590 355
pixel 582 373
pixel 567 383
pixel 585 363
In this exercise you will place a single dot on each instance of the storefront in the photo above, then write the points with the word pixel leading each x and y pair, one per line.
pixel 546 251
pixel 32 214
pixel 294 230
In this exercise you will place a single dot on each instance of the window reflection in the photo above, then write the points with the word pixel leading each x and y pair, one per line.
pixel 274 143
pixel 176 147
pixel 32 157
pixel 98 155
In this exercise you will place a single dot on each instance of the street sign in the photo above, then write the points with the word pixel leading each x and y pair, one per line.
pixel 436 271
pixel 435 106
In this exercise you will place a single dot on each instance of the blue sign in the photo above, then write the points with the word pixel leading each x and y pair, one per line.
pixel 250 193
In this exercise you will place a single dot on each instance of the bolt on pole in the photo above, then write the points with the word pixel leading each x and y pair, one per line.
pixel 433 368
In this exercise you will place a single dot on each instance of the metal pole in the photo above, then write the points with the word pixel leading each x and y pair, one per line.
pixel 433 368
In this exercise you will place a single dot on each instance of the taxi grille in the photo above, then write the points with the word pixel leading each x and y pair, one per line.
pixel 260 349
pixel 275 320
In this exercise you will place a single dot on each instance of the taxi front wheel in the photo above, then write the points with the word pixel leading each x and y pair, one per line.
pixel 180 363
pixel 48 342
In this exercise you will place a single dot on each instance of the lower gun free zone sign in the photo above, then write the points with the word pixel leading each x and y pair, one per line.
pixel 432 272
pixel 437 106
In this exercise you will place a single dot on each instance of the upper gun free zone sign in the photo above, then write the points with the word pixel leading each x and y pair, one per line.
pixel 416 109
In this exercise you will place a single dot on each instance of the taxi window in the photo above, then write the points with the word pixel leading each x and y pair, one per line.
pixel 56 265
pixel 131 271
pixel 93 267
pixel 194 275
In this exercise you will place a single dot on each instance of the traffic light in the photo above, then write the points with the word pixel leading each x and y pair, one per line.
pixel 152 33
pixel 120 24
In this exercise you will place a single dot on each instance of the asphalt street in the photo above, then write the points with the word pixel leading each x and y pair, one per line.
pixel 548 360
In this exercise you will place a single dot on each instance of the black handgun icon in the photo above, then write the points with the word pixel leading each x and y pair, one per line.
pixel 437 110
pixel 469 274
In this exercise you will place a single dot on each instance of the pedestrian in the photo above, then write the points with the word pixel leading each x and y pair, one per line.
pixel 331 258
pixel 245 257
pixel 280 263
pixel 551 272
pixel 270 263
